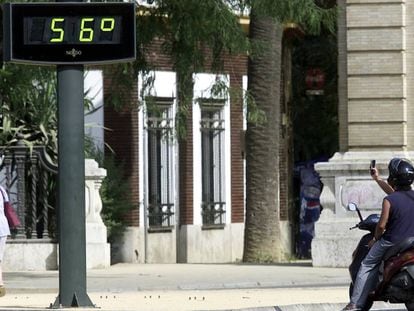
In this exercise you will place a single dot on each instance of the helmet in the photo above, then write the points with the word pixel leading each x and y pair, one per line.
pixel 401 172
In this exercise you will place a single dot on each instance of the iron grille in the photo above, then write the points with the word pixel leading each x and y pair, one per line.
pixel 160 125
pixel 212 145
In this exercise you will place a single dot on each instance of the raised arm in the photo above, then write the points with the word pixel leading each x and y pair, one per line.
pixel 382 183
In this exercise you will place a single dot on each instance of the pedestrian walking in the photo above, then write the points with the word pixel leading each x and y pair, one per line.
pixel 4 232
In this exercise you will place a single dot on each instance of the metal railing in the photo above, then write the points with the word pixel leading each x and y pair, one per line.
pixel 29 178
pixel 213 213
pixel 161 215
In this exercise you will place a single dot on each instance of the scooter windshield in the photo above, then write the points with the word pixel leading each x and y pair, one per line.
pixel 369 223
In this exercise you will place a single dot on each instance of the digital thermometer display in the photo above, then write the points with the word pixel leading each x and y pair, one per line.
pixel 69 33
pixel 72 30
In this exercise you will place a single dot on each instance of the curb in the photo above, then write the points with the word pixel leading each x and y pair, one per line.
pixel 323 307
pixel 303 307
pixel 299 307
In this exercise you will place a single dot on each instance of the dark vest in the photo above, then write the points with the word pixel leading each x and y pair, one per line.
pixel 401 219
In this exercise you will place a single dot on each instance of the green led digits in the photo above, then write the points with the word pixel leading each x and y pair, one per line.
pixel 107 24
pixel 83 30
pixel 86 33
pixel 57 30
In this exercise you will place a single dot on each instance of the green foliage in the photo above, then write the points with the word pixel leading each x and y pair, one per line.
pixel 29 106
pixel 194 34
pixel 116 199
pixel 115 191
pixel 306 13
pixel 255 115
pixel 193 28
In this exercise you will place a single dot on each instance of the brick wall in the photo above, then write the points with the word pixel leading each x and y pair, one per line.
pixel 186 174
pixel 123 138
pixel 237 67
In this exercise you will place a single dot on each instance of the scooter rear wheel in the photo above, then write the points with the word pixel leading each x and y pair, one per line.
pixel 409 306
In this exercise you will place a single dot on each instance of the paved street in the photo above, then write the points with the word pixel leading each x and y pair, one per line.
pixel 172 287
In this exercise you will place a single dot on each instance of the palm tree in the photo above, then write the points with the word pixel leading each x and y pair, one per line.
pixel 262 227
pixel 262 143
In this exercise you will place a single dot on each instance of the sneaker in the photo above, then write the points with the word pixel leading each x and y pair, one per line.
pixel 351 307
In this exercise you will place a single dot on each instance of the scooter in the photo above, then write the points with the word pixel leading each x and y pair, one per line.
pixel 396 278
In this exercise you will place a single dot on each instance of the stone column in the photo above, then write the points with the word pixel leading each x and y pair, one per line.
pixel 374 122
pixel 97 249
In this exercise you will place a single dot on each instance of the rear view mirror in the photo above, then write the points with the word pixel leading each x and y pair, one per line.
pixel 352 207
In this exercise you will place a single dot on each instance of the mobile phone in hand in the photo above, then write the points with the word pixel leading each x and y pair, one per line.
pixel 372 166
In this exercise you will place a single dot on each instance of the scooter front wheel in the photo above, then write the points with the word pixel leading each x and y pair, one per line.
pixel 368 305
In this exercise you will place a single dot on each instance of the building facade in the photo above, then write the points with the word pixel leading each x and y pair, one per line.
pixel 189 193
pixel 376 110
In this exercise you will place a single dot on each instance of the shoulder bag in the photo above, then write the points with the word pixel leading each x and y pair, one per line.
pixel 10 213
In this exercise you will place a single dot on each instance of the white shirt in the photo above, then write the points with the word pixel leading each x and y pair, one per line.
pixel 4 225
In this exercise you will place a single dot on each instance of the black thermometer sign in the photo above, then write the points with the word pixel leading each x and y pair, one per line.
pixel 68 33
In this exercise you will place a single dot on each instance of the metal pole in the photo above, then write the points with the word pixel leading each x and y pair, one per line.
pixel 71 189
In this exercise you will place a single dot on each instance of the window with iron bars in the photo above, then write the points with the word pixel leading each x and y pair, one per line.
pixel 160 126
pixel 212 150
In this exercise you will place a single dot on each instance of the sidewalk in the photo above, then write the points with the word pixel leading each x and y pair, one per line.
pixel 130 287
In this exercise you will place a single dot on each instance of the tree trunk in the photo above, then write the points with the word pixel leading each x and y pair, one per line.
pixel 262 228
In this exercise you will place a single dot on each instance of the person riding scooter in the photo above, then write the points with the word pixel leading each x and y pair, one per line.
pixel 395 225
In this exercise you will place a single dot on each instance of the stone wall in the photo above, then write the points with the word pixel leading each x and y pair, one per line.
pixel 374 117
pixel 376 71
pixel 346 179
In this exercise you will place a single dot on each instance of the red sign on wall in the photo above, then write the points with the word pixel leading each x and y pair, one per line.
pixel 315 81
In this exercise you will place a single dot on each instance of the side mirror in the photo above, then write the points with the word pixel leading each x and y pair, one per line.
pixel 352 207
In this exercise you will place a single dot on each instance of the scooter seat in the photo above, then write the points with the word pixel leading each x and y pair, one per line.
pixel 399 248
